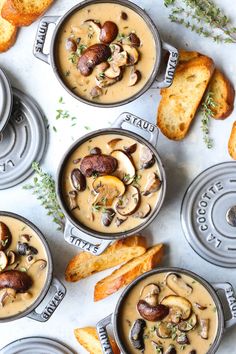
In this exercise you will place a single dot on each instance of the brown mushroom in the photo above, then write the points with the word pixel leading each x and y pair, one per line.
pixel 104 82
pixel 24 238
pixel 108 32
pixel 5 236
pixel 96 92
pixel 125 169
pixel 92 56
pixel 3 261
pixel 7 295
pixel 153 184
pixel 144 211
pixel 135 77
pixel 134 40
pixel 14 279
pixel 108 216
pixel 164 330
pixel 100 68
pixel 98 164
pixel 11 257
pixel 137 334
pixel 179 302
pixel 133 54
pixel 113 72
pixel 129 203
pixel 70 45
pixel 73 200
pixel 36 269
pixel 150 294
pixel 176 283
pixel 204 325
pixel 120 221
pixel 112 143
pixel 78 180
pixel 152 313
pixel 130 149
pixel 124 15
pixel 193 351
pixel 185 326
pixel 182 339
pixel 95 151
pixel 171 350
pixel 199 306
pixel 107 189
pixel 94 25
pixel 147 158
pixel 120 59
pixel 115 48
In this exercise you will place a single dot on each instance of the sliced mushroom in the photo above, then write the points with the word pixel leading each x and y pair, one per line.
pixel 14 279
pixel 175 315
pixel 100 68
pixel 113 72
pixel 130 149
pixel 95 26
pixel 176 283
pixel 78 180
pixel 106 82
pixel 98 164
pixel 144 211
pixel 164 330
pixel 133 54
pixel 5 236
pixel 124 16
pixel 152 313
pixel 3 261
pixel 26 296
pixel 204 326
pixel 115 48
pixel 92 56
pixel 158 347
pixel 107 188
pixel 108 32
pixel 36 269
pixel 185 326
pixel 147 158
pixel 199 306
pixel 95 151
pixel 108 216
pixel 153 184
pixel 11 257
pixel 120 59
pixel 125 169
pixel 182 339
pixel 112 143
pixel 120 221
pixel 135 77
pixel 179 302
pixel 193 351
pixel 150 294
pixel 96 92
pixel 7 295
pixel 129 203
pixel 73 200
pixel 24 249
pixel 24 238
pixel 70 45
pixel 137 334
pixel 171 350
pixel 30 260
pixel 134 40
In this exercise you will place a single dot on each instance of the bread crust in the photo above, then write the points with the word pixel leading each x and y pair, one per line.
pixel 6 41
pixel 85 264
pixel 128 272
pixel 88 338
pixel 232 142
pixel 15 14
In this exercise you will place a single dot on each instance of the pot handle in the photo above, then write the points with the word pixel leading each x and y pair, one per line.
pixel 103 336
pixel 76 238
pixel 231 299
pixel 140 123
pixel 41 36
pixel 170 68
pixel 58 295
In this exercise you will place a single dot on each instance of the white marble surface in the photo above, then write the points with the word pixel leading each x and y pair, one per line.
pixel 183 161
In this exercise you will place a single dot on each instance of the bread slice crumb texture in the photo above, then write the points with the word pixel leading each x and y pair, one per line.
pixel 7 32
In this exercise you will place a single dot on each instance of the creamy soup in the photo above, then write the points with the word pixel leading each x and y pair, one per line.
pixel 111 183
pixel 105 52
pixel 168 313
pixel 23 262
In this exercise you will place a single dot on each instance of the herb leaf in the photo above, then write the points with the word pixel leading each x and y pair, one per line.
pixel 207 113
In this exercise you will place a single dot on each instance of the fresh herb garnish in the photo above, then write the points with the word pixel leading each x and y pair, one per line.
pixel 203 17
pixel 207 113
pixel 136 180
pixel 43 186
pixel 80 49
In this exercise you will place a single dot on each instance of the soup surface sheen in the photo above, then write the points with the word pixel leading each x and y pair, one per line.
pixel 202 305
pixel 33 263
pixel 90 208
pixel 77 29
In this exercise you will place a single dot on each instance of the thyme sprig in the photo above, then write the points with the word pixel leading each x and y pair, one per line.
pixel 203 17
pixel 207 111
pixel 43 187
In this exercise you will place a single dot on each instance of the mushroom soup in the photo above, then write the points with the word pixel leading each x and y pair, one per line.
pixel 111 183
pixel 105 52
pixel 168 313
pixel 23 262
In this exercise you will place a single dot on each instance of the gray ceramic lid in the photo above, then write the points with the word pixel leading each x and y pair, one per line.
pixel 6 100
pixel 22 141
pixel 208 214
pixel 35 345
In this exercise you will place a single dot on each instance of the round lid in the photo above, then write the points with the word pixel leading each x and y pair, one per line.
pixel 22 141
pixel 208 214
pixel 35 345
pixel 6 100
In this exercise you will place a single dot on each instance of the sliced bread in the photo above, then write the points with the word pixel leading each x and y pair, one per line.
pixel 128 272
pixel 7 32
pixel 232 142
pixel 24 12
pixel 180 101
pixel 85 264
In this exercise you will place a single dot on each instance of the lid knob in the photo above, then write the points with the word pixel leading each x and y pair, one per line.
pixel 231 216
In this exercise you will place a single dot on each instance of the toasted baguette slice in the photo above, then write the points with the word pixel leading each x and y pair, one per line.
pixel 232 142
pixel 128 272
pixel 24 12
pixel 85 264
pixel 180 101
pixel 7 32
pixel 223 94
pixel 186 55
pixel 88 338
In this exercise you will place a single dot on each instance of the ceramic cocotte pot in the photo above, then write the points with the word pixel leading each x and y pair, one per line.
pixel 222 294
pixel 155 80
pixel 78 234
pixel 51 286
